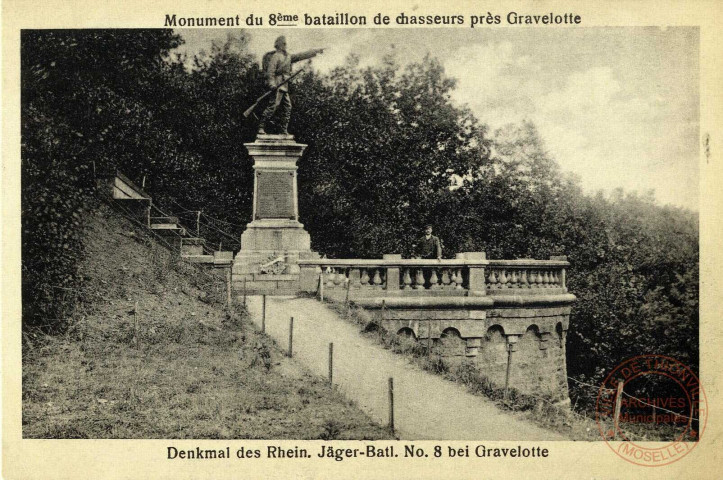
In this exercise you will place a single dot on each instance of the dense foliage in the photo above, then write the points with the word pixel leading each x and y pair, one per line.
pixel 89 101
pixel 384 144
pixel 388 152
pixel 634 263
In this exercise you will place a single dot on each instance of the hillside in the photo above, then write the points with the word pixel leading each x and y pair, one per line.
pixel 181 366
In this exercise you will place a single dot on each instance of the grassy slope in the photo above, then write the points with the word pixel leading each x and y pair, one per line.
pixel 192 370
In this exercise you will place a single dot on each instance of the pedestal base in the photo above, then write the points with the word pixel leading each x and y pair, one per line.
pixel 268 260
pixel 274 235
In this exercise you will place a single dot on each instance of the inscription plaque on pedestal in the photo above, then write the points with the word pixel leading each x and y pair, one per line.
pixel 275 195
pixel 274 241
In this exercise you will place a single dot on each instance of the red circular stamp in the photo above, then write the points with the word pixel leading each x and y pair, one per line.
pixel 651 429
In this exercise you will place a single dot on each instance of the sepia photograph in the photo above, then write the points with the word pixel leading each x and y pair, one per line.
pixel 361 234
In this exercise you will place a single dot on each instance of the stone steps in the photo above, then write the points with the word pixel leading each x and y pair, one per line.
pixel 222 259
pixel 191 248
pixel 168 228
pixel 198 258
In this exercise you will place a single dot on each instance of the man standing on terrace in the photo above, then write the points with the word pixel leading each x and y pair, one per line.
pixel 429 246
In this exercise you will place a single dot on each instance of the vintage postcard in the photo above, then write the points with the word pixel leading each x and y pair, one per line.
pixel 391 240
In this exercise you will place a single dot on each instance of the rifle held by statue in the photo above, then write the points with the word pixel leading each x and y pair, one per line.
pixel 251 109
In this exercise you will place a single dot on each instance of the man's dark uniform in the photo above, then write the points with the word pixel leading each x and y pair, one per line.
pixel 429 248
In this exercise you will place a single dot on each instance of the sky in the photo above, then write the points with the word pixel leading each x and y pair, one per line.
pixel 616 106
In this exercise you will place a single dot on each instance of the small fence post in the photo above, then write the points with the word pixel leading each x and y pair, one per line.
pixel 244 291
pixel 690 417
pixel 507 373
pixel 429 338
pixel 618 404
pixel 391 404
pixel 198 223
pixel 381 315
pixel 291 337
pixel 331 363
pixel 148 215
pixel 348 286
pixel 263 313
pixel 135 324
pixel 228 287
pixel 321 286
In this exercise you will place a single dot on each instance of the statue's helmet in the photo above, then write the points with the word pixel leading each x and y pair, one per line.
pixel 280 42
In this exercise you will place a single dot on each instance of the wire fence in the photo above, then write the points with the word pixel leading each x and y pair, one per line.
pixel 214 230
pixel 640 400
pixel 128 215
pixel 564 409
pixel 197 223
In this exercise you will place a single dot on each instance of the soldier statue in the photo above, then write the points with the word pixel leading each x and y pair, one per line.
pixel 277 69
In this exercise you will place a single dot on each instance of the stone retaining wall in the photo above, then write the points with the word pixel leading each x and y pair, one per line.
pixel 535 336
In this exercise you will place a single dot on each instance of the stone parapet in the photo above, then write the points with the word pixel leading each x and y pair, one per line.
pixel 470 274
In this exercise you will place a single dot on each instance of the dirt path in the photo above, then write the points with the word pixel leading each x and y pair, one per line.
pixel 426 406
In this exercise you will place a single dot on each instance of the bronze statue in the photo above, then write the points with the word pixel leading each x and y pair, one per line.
pixel 277 69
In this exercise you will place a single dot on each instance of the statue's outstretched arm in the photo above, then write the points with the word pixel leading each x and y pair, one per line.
pixel 297 57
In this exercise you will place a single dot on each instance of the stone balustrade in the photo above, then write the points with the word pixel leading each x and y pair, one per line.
pixel 470 274
pixel 514 277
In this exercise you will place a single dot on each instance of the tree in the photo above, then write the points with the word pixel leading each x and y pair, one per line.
pixel 634 265
pixel 384 143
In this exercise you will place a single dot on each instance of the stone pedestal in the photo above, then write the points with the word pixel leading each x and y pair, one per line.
pixel 274 241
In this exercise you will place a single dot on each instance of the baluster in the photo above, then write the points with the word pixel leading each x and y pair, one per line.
pixel 458 279
pixel 407 280
pixel 514 279
pixel 445 278
pixel 546 279
pixel 329 277
pixel 493 279
pixel 339 278
pixel 433 279
pixel 503 279
pixel 356 278
pixel 523 279
pixel 364 277
pixel 377 278
pixel 533 279
pixel 555 279
pixel 418 279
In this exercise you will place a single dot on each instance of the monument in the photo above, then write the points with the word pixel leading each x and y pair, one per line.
pixel 274 241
